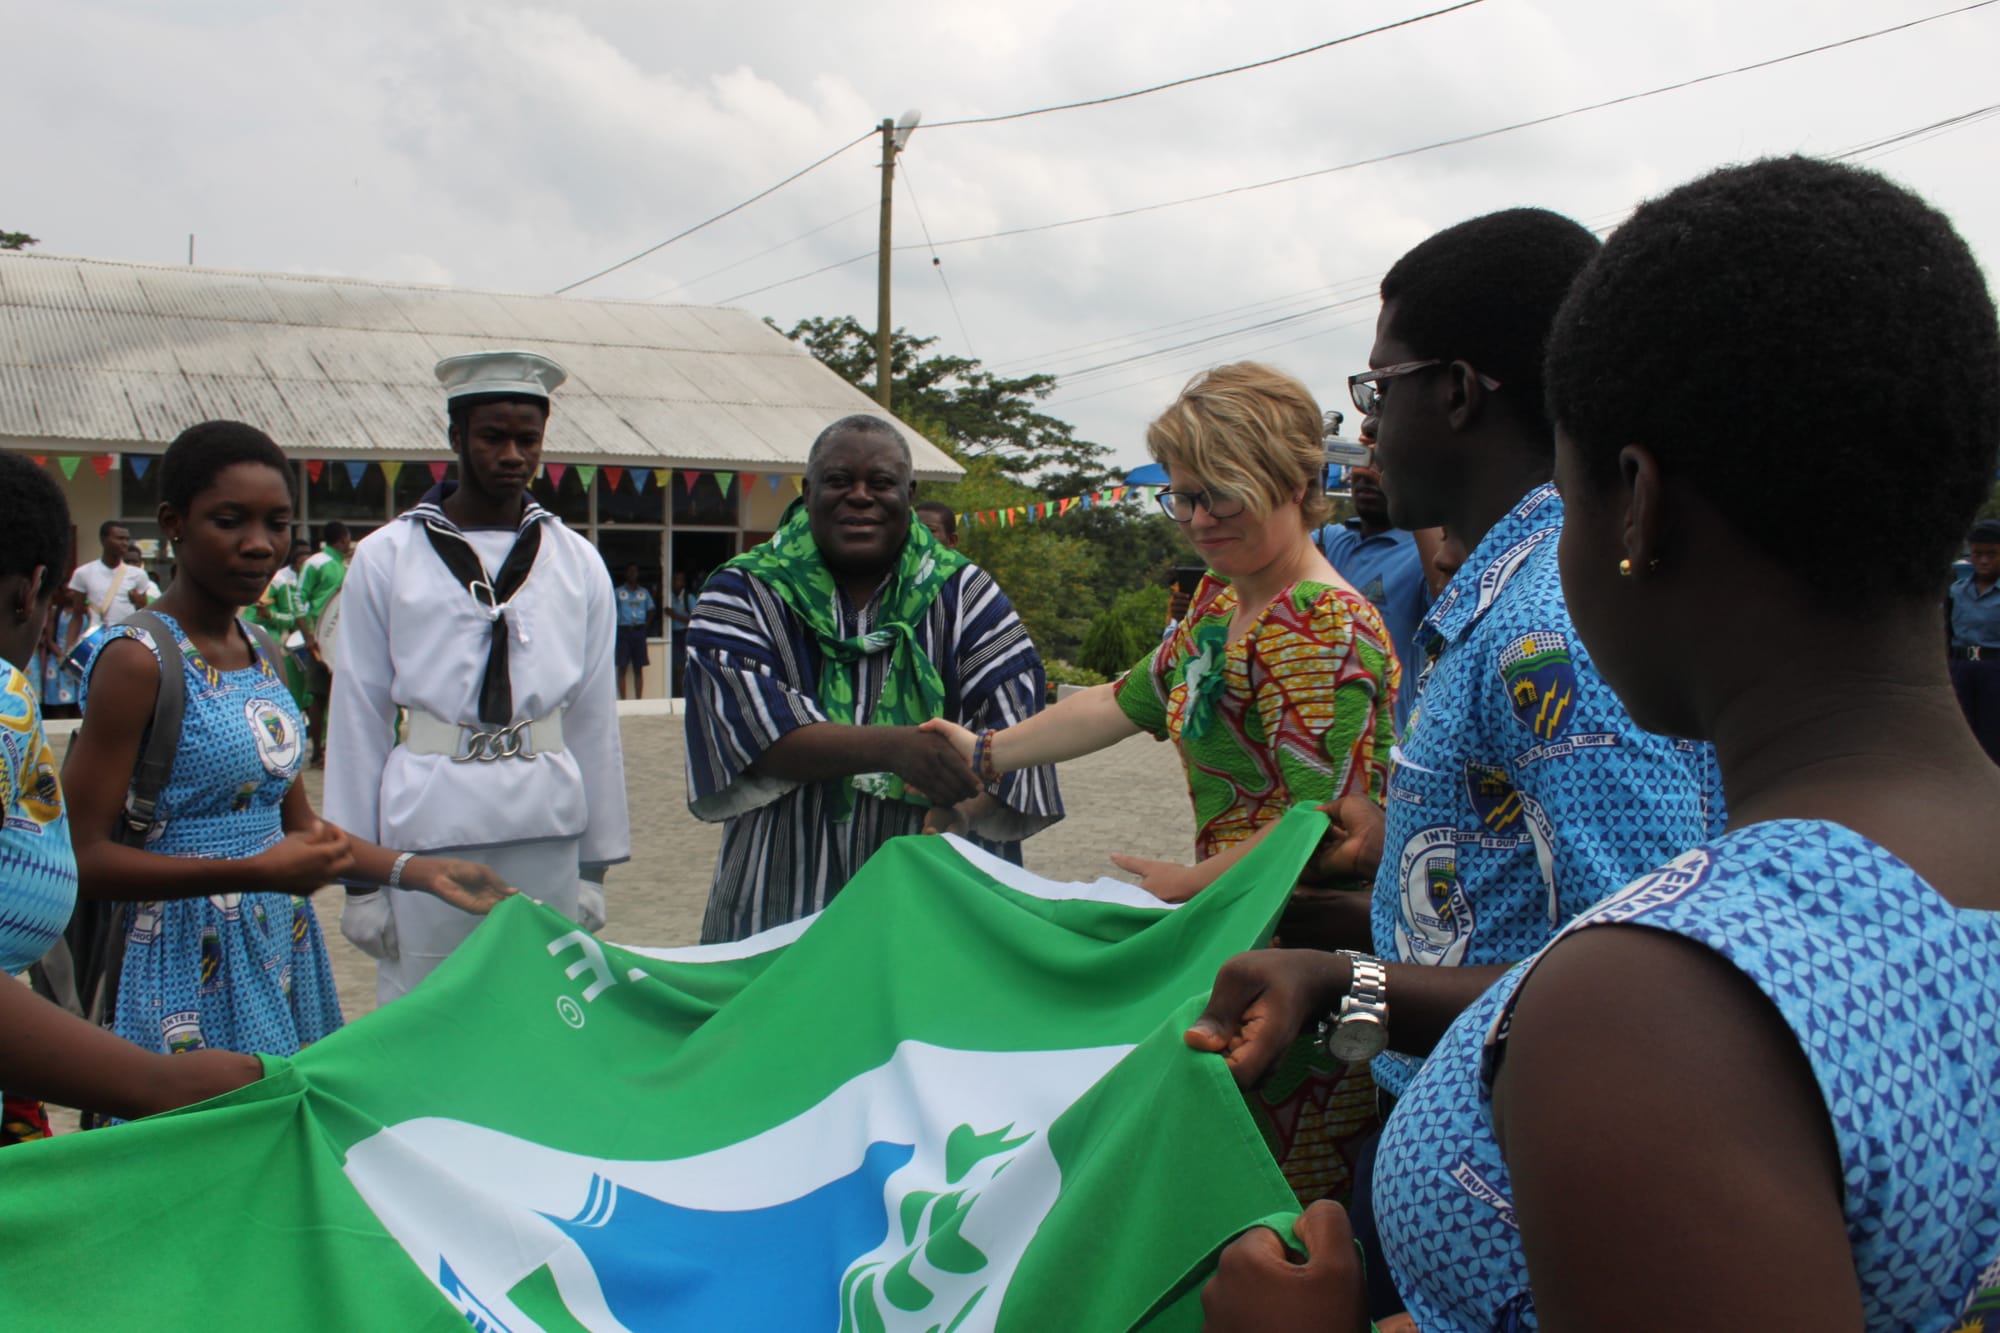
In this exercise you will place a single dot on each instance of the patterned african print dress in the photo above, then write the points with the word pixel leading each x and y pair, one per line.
pixel 231 971
pixel 37 866
pixel 1300 708
pixel 1894 996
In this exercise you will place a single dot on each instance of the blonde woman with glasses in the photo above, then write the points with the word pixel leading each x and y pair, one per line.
pixel 1278 686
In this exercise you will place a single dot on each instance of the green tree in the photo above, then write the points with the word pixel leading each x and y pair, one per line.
pixel 1048 574
pixel 1109 645
pixel 17 240
pixel 951 399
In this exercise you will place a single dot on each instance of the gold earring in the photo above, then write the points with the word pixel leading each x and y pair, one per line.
pixel 1624 569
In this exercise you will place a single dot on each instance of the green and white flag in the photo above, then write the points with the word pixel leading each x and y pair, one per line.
pixel 958 1100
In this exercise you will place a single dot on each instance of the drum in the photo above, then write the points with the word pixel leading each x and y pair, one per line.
pixel 328 631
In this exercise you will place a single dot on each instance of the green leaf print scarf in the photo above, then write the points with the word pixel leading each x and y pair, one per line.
pixel 912 690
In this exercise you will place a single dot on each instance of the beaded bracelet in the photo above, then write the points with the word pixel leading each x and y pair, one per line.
pixel 982 758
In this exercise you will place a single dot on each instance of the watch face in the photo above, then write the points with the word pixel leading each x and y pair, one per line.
pixel 1356 1038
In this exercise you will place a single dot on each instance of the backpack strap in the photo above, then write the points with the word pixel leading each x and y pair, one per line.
pixel 266 647
pixel 163 737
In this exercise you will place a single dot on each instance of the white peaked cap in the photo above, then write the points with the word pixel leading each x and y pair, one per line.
pixel 500 372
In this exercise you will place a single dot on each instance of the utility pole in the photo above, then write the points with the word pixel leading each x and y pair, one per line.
pixel 888 128
pixel 895 133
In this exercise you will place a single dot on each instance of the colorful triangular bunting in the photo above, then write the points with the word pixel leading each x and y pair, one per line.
pixel 725 480
pixel 355 472
pixel 101 465
pixel 314 467
pixel 68 464
pixel 556 473
pixel 613 475
pixel 392 468
pixel 139 463
pixel 438 470
pixel 586 473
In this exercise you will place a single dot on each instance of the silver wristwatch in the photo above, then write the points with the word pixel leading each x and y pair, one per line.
pixel 1359 1029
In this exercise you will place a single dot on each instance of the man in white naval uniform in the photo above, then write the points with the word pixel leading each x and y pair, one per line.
pixel 491 625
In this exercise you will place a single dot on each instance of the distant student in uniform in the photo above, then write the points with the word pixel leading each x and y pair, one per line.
pixel 320 579
pixel 1385 564
pixel 107 589
pixel 1975 637
pixel 635 616
pixel 939 518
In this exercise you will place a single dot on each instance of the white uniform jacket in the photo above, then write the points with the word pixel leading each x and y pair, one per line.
pixel 412 637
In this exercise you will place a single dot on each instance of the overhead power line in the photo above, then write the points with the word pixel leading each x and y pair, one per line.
pixel 1382 157
pixel 767 250
pixel 1601 223
pixel 734 208
pixel 1964 120
pixel 937 265
pixel 1468 138
pixel 1212 74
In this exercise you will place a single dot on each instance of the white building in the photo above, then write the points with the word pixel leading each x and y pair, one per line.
pixel 677 441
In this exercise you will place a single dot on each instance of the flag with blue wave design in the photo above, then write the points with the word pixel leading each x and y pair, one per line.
pixel 957 1099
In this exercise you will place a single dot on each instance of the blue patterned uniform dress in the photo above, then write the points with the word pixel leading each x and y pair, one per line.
pixel 1522 792
pixel 231 971
pixel 37 866
pixel 1894 996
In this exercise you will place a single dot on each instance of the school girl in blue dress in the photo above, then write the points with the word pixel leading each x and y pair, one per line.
pixel 222 949
pixel 1759 1088
pixel 45 1052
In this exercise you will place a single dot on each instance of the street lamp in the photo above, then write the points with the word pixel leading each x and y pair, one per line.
pixel 895 133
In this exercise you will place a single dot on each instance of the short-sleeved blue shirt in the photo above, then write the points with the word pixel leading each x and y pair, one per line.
pixel 635 607
pixel 1388 570
pixel 1521 792
pixel 1975 615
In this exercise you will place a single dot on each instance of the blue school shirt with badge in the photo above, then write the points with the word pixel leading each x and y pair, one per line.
pixel 1522 792
pixel 1894 996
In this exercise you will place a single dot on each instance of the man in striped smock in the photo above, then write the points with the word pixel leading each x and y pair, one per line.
pixel 811 661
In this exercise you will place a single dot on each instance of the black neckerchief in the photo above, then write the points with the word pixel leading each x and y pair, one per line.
pixel 496 687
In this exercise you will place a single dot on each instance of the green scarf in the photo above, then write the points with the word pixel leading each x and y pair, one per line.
pixel 912 691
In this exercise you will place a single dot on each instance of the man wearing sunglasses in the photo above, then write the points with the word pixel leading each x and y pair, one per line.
pixel 1521 792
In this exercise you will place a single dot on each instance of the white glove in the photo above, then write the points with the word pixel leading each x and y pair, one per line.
pixel 590 905
pixel 370 925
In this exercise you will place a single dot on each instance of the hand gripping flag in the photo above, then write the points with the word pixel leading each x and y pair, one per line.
pixel 957 1099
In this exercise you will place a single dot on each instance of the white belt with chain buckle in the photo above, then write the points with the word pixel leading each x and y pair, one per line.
pixel 462 744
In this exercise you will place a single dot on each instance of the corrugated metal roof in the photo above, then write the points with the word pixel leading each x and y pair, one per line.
pixel 100 351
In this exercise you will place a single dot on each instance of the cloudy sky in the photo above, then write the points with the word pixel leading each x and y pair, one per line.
pixel 521 147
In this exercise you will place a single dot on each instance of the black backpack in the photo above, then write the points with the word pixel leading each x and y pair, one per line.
pixel 80 971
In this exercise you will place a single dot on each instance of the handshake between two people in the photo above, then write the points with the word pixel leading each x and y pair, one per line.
pixel 935 761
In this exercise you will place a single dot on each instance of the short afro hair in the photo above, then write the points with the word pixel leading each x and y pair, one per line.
pixel 108 526
pixel 199 453
pixel 1772 332
pixel 947 516
pixel 34 523
pixel 1485 292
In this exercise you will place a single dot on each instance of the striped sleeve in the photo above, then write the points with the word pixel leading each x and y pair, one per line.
pixel 749 683
pixel 1000 682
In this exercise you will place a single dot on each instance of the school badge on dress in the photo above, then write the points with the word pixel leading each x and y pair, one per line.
pixel 1540 677
pixel 277 733
pixel 1494 798
pixel 1436 924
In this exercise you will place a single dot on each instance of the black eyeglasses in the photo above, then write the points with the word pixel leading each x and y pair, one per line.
pixel 1370 387
pixel 1180 505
